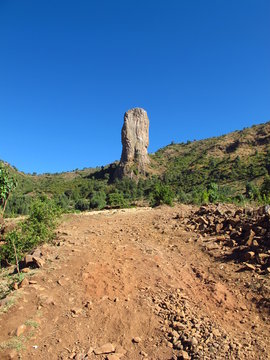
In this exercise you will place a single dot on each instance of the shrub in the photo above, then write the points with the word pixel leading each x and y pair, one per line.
pixel 7 185
pixel 82 204
pixel 213 193
pixel 117 200
pixel 265 188
pixel 161 194
pixel 18 205
pixel 37 229
pixel 252 192
pixel 98 200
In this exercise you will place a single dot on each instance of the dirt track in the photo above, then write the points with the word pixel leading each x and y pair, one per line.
pixel 137 280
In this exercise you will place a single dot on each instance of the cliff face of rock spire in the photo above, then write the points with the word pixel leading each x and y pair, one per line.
pixel 135 141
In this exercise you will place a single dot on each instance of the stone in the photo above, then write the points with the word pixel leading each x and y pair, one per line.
pixel 136 339
pixel 115 356
pixel 249 255
pixel 120 350
pixel 76 311
pixel 262 257
pixel 194 342
pixel 267 210
pixel 216 333
pixel 135 141
pixel 23 283
pixel 255 243
pixel 60 282
pixel 143 353
pixel 250 237
pixel 25 270
pixel 20 330
pixel 250 267
pixel 28 259
pixel 105 349
pixel 184 355
pixel 37 253
pixel 15 286
pixel 38 261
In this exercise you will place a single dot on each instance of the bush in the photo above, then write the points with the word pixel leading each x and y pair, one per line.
pixel 7 252
pixel 161 194
pixel 98 200
pixel 265 188
pixel 182 197
pixel 82 204
pixel 117 200
pixel 18 205
pixel 213 192
pixel 37 229
pixel 252 192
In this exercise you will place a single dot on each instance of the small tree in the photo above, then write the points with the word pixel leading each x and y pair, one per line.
pixel 252 192
pixel 7 185
pixel 265 188
pixel 117 200
pixel 213 192
pixel 161 194
pixel 98 200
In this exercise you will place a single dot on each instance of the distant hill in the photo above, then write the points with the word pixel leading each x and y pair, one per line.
pixel 190 169
pixel 232 159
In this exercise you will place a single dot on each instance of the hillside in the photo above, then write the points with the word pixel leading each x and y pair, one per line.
pixel 230 161
pixel 239 156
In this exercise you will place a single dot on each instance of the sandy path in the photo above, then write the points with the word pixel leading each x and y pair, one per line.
pixel 119 275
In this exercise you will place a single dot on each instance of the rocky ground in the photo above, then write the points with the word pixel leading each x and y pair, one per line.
pixel 162 283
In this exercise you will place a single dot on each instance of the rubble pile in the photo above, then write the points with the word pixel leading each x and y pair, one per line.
pixel 245 230
pixel 194 336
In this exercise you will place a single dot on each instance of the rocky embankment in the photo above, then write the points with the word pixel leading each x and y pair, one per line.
pixel 245 231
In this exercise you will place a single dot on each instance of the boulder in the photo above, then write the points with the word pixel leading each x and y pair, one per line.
pixel 105 349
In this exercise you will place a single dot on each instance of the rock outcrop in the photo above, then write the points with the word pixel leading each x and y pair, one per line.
pixel 135 141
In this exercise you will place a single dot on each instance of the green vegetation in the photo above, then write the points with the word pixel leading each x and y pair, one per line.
pixel 7 185
pixel 38 228
pixel 32 323
pixel 230 168
pixel 16 342
pixel 162 194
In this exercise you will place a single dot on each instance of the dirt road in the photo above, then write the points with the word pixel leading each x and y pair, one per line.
pixel 138 283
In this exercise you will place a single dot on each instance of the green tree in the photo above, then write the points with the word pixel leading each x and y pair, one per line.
pixel 7 185
pixel 265 188
pixel 35 230
pixel 82 204
pixel 267 161
pixel 213 193
pixel 117 200
pixel 98 200
pixel 161 194
pixel 252 192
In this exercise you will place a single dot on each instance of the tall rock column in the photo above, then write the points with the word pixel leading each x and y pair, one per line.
pixel 135 141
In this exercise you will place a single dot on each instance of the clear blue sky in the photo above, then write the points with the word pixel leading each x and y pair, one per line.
pixel 70 69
